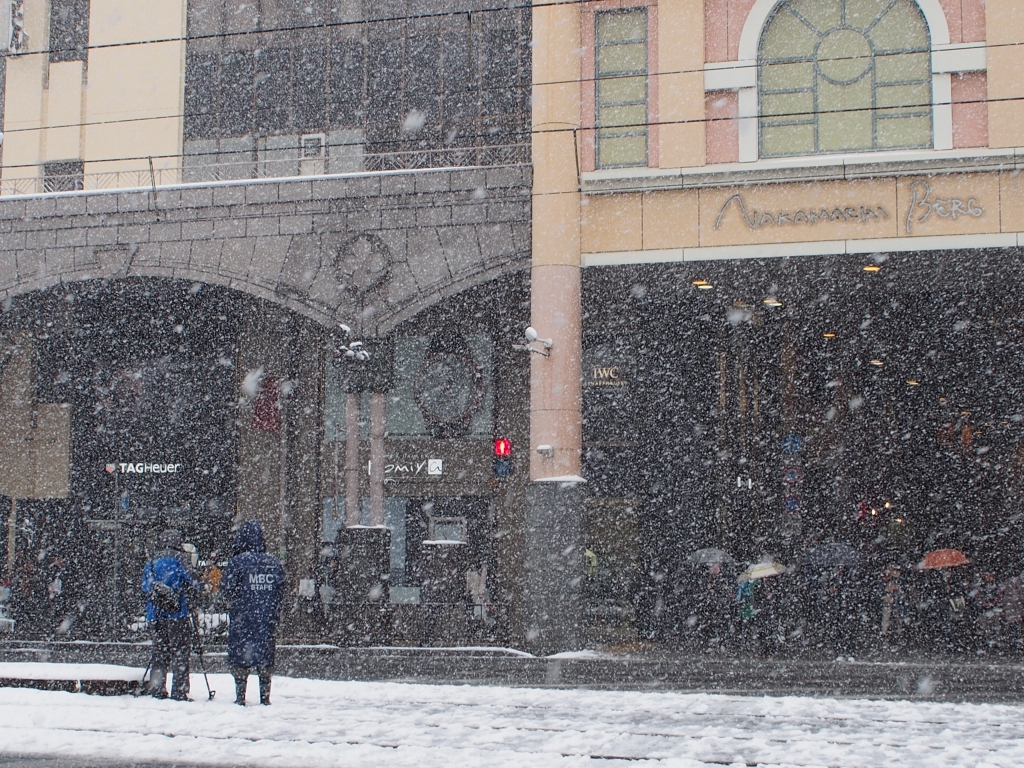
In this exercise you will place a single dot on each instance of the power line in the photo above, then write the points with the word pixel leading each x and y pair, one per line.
pixel 482 135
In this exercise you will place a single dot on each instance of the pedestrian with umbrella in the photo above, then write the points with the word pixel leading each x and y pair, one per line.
pixel 711 596
pixel 944 598
pixel 759 600
pixel 254 583
pixel 831 605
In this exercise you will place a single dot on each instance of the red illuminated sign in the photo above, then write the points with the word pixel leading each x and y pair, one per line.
pixel 502 447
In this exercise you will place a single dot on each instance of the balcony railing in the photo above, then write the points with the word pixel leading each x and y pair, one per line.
pixel 195 170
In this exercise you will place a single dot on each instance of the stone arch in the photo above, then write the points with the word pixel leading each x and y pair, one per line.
pixel 345 249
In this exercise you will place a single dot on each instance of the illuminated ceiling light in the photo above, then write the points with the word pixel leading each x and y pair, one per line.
pixel 830 335
pixel 965 413
pixel 899 519
pixel 876 361
pixel 942 399
pixel 771 301
pixel 699 283
pixel 913 382
pixel 705 287
pixel 872 268
pixel 888 505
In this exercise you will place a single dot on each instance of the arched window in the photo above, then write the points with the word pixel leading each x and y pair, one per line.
pixel 844 75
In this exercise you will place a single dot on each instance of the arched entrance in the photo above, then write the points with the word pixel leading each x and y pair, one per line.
pixel 137 404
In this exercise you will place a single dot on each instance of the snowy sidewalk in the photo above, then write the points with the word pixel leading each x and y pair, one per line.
pixel 316 723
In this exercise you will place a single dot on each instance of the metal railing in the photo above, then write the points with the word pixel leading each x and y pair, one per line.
pixel 191 171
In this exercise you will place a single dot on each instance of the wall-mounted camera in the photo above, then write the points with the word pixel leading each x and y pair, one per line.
pixel 531 338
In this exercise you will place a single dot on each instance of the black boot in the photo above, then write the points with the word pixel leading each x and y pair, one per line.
pixel 265 687
pixel 241 681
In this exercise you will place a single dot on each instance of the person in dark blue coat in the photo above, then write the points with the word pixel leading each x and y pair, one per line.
pixel 166 583
pixel 254 583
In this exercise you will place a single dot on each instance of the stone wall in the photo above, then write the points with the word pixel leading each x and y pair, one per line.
pixel 369 250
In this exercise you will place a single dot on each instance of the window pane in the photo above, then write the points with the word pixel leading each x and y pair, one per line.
pixel 861 14
pixel 617 90
pixel 622 58
pixel 839 98
pixel 801 104
pixel 903 132
pixel 918 95
pixel 621 101
pixel 787 77
pixel 845 132
pixel 778 141
pixel 903 67
pixel 621 27
pixel 621 150
pixel 902 28
pixel 823 15
pixel 634 115
pixel 788 38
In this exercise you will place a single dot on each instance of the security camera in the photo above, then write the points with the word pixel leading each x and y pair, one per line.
pixel 531 336
pixel 546 451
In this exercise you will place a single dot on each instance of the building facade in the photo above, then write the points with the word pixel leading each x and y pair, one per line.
pixel 205 206
pixel 794 231
pixel 768 251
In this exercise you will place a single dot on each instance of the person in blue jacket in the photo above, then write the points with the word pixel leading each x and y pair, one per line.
pixel 254 583
pixel 167 583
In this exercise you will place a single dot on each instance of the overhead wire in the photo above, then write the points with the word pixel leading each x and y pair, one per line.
pixel 412 138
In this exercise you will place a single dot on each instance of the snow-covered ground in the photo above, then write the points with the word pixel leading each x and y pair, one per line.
pixel 316 723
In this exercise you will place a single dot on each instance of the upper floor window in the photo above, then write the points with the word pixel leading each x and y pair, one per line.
pixel 844 75
pixel 621 82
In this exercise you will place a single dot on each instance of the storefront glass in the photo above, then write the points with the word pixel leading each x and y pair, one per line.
pixel 844 417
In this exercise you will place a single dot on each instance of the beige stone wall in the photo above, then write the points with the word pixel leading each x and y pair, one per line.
pixel 129 117
pixel 680 83
pixel 113 112
pixel 1005 24
pixel 913 206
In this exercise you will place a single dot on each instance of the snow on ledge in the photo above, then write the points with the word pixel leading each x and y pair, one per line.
pixel 586 654
pixel 561 479
pixel 40 670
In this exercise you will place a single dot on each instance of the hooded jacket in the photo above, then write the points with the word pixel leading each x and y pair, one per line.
pixel 254 583
pixel 166 567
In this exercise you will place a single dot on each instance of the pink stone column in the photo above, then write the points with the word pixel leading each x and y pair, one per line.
pixel 555 386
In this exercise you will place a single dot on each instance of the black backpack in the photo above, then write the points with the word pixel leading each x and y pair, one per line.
pixel 165 599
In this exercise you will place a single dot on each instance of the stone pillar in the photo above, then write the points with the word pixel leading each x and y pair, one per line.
pixel 553 538
pixel 352 411
pixel 555 390
pixel 554 567
pixel 378 402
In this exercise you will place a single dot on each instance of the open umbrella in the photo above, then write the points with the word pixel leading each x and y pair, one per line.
pixel 761 571
pixel 833 555
pixel 943 558
pixel 710 556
